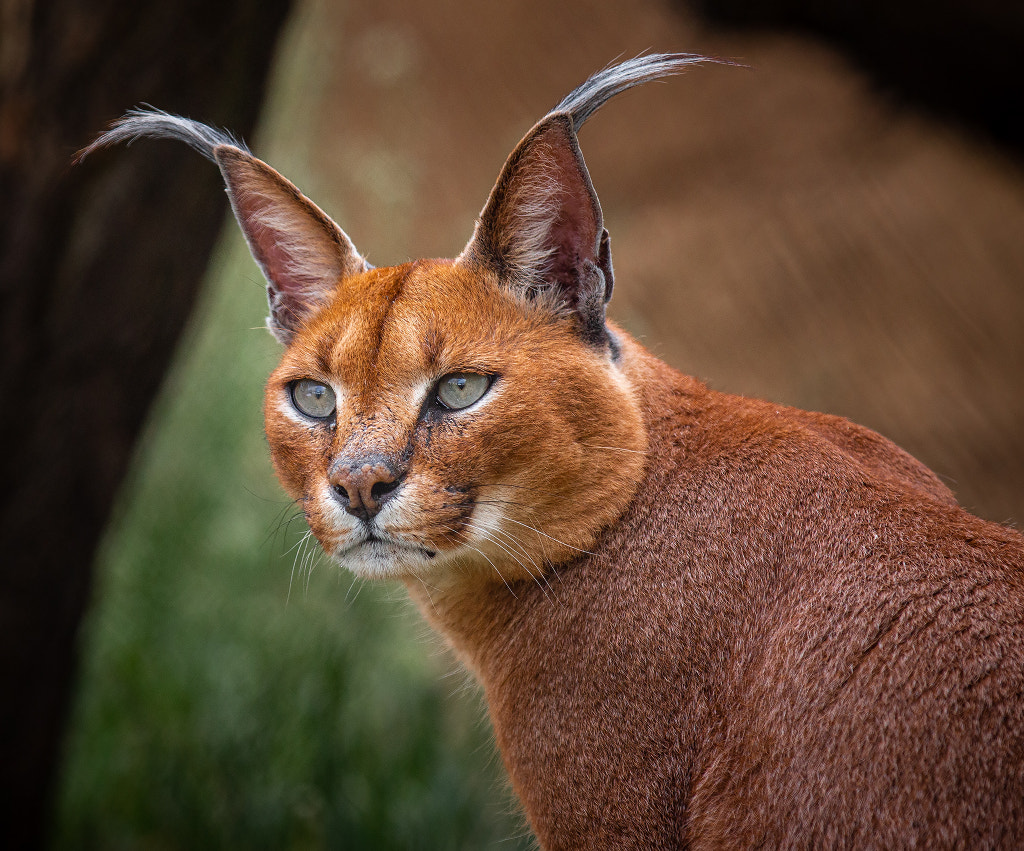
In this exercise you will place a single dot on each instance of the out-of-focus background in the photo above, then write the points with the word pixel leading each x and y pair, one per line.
pixel 837 226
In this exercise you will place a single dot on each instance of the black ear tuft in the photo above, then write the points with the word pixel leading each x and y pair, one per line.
pixel 304 255
pixel 541 230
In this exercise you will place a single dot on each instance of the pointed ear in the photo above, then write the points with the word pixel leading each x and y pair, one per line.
pixel 302 252
pixel 542 231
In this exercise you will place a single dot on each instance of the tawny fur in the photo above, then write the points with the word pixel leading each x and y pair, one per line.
pixel 700 621
pixel 821 652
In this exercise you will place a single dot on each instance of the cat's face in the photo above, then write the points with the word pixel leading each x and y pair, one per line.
pixel 432 423
pixel 446 418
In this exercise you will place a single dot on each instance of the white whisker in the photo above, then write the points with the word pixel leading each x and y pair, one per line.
pixel 300 551
pixel 488 535
pixel 549 537
pixel 310 561
pixel 426 590
pixel 538 573
pixel 512 539
pixel 491 563
pixel 356 583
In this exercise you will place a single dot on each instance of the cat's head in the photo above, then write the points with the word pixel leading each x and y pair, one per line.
pixel 447 419
pixel 429 419
pixel 450 418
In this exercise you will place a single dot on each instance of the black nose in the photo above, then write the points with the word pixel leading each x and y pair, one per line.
pixel 363 487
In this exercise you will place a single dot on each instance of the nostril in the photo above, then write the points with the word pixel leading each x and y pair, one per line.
pixel 361 487
pixel 382 489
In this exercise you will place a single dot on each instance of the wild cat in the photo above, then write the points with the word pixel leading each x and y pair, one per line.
pixel 699 620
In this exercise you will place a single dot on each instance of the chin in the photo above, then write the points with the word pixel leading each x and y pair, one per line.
pixel 385 560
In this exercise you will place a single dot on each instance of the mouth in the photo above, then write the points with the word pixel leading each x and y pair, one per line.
pixel 377 546
pixel 388 542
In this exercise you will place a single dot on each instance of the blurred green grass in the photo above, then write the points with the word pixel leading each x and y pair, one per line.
pixel 228 698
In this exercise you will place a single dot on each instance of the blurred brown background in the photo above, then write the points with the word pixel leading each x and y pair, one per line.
pixel 797 230
pixel 839 225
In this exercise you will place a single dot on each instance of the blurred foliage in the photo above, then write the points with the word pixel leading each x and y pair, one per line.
pixel 236 690
pixel 232 695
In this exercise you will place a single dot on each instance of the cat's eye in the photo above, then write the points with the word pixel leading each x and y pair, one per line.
pixel 459 390
pixel 313 398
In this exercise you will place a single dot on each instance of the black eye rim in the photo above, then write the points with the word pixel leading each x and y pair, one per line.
pixel 434 399
pixel 292 385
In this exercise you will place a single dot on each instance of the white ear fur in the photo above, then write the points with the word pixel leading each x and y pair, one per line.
pixel 303 254
pixel 542 197
pixel 522 222
pixel 541 230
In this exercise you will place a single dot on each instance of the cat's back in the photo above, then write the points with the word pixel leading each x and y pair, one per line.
pixel 878 698
pixel 793 633
pixel 872 703
pixel 868 631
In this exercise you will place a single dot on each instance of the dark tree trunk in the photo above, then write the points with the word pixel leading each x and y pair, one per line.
pixel 96 282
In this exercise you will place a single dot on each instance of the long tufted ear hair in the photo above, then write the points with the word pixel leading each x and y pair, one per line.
pixel 541 230
pixel 303 254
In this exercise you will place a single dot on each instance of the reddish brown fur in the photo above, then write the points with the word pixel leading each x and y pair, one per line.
pixel 699 620
pixel 792 636
pixel 821 653
pixel 389 331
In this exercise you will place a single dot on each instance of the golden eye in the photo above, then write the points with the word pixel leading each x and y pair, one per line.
pixel 313 398
pixel 459 390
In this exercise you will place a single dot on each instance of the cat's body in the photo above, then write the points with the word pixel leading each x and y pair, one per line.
pixel 718 687
pixel 699 620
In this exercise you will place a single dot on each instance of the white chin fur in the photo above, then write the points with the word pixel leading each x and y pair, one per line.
pixel 387 558
pixel 383 560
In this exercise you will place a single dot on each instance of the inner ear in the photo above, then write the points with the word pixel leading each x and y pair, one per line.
pixel 303 254
pixel 541 230
pixel 575 226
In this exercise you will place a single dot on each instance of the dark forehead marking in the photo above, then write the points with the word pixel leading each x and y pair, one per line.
pixel 414 277
pixel 373 304
pixel 366 303
pixel 323 363
pixel 431 345
pixel 397 282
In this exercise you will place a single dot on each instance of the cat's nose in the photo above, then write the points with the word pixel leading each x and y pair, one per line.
pixel 364 486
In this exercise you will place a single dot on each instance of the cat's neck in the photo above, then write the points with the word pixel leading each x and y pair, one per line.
pixel 484 619
pixel 621 664
pixel 583 648
pixel 724 487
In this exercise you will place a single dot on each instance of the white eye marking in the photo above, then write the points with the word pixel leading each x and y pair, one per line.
pixel 313 398
pixel 459 390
